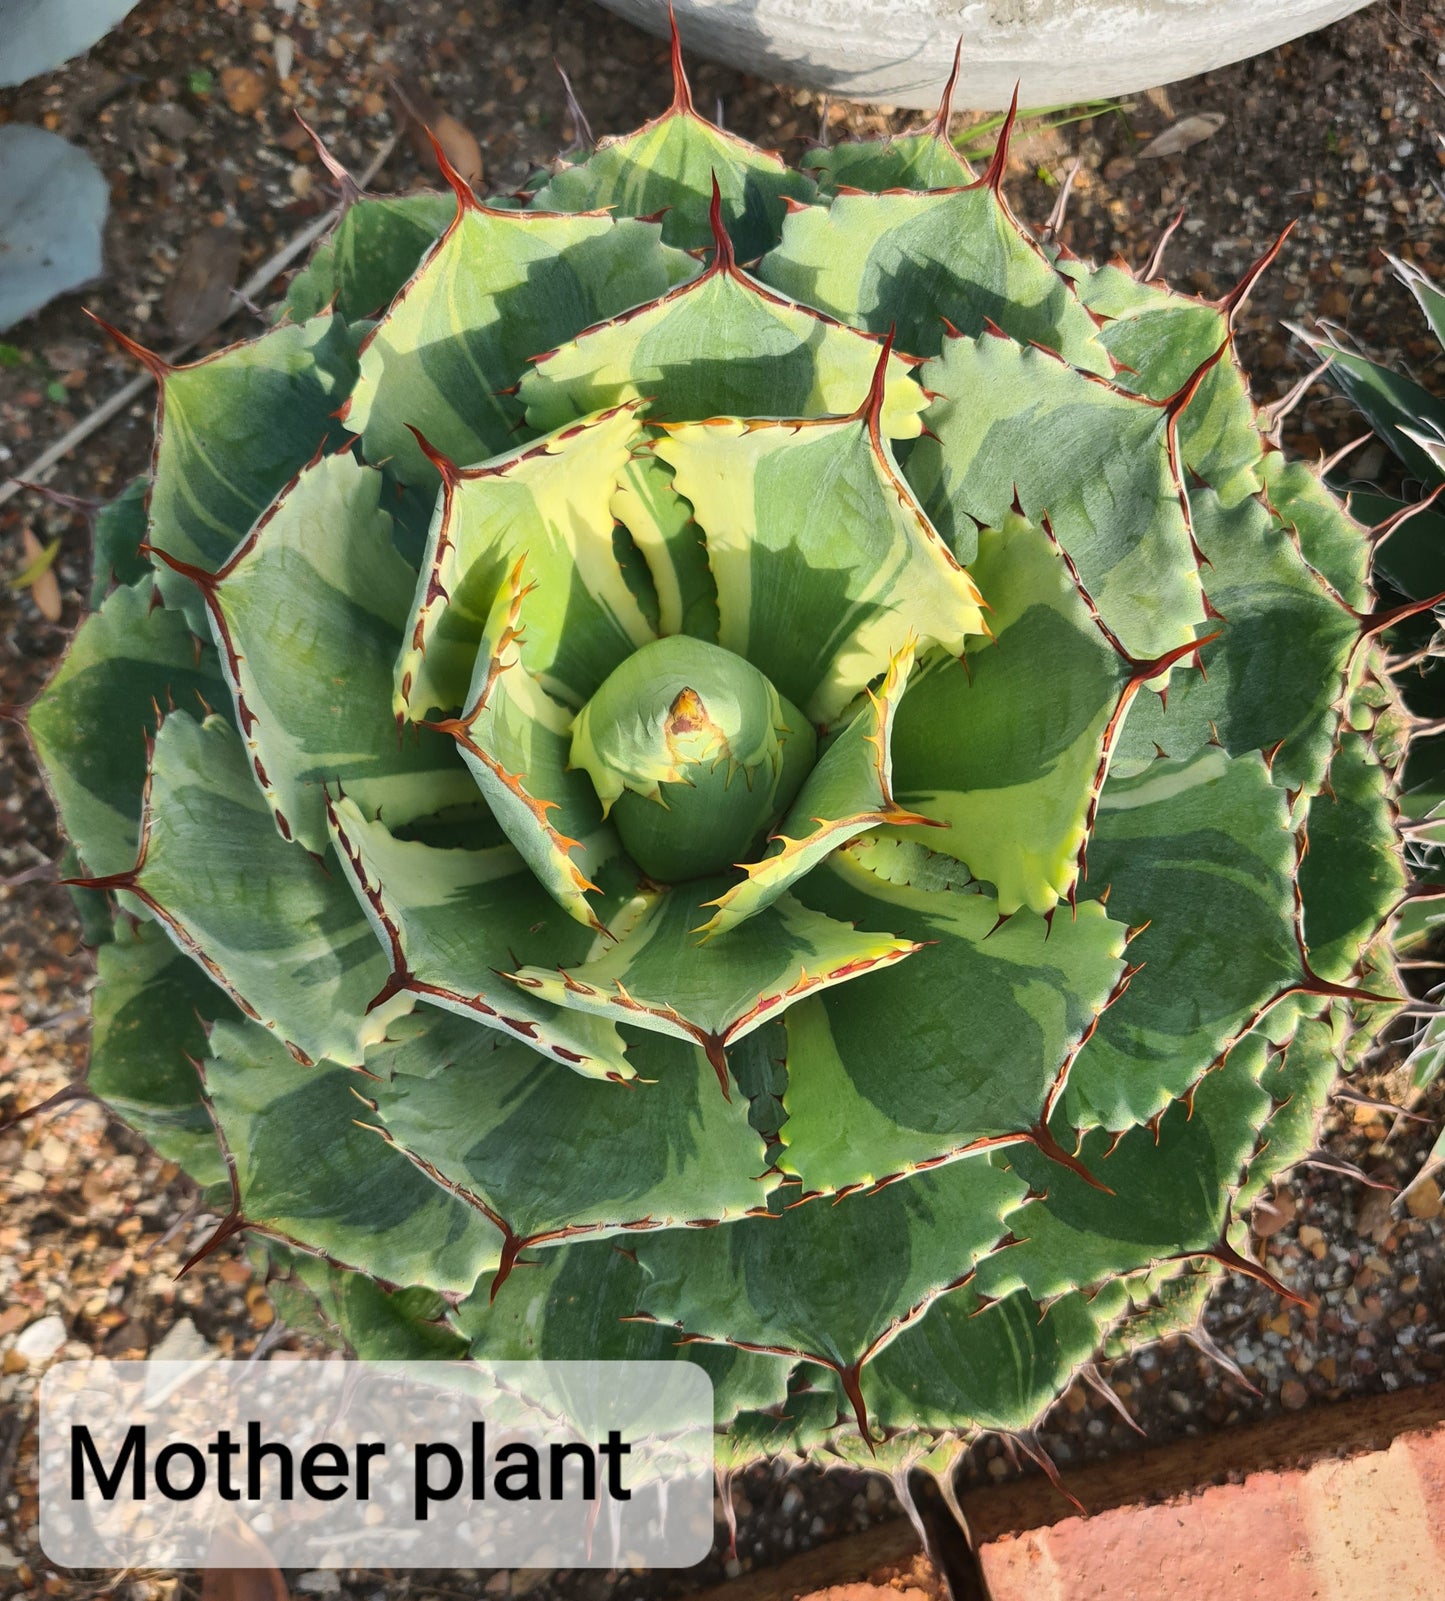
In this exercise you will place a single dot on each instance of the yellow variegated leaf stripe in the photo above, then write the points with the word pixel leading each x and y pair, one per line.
pixel 452 920
pixel 825 563
pixel 849 790
pixel 658 976
pixel 662 526
pixel 550 502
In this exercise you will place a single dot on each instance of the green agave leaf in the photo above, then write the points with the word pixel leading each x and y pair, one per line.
pixel 308 617
pixel 1330 540
pixel 1273 677
pixel 1202 852
pixel 1350 875
pixel 1161 341
pixel 882 1079
pixel 234 429
pixel 818 597
pixel 1408 556
pixel 454 920
pixel 152 1009
pixel 307 1170
pixel 847 792
pixel 546 510
pixel 517 741
pixel 661 524
pixel 335 1304
pixel 658 976
pixel 922 159
pixel 368 257
pixel 1297 1080
pixel 1171 1185
pixel 991 1367
pixel 1008 746
pixel 128 662
pixel 1394 406
pixel 670 166
pixel 119 531
pixel 585 1297
pixel 922 263
pixel 721 345
pixel 499 287
pixel 790 1282
pixel 278 929
pixel 1018 429
pixel 550 1155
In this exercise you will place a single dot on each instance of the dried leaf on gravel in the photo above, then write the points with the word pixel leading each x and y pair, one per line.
pixel 423 120
pixel 199 295
pixel 37 577
pixel 1184 135
pixel 243 89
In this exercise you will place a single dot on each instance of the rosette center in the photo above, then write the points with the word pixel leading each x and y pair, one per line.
pixel 694 755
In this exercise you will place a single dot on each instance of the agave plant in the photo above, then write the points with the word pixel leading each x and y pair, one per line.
pixel 714 762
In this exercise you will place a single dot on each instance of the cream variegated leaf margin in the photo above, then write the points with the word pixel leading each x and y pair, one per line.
pixel 308 618
pixel 550 502
pixel 818 601
pixel 453 920
pixel 849 790
pixel 658 976
pixel 663 528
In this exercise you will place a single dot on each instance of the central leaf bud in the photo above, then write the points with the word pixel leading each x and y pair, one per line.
pixel 693 754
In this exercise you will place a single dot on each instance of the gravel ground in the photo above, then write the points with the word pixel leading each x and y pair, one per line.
pixel 189 113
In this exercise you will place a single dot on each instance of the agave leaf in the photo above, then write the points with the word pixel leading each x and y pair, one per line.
pixel 549 503
pixel 789 1281
pixel 498 288
pixel 276 928
pixel 922 262
pixel 453 919
pixel 1160 341
pixel 1409 555
pixel 1018 429
pixel 308 616
pixel 1009 746
pixel 1394 406
pixel 1202 851
pixel 819 601
pixel 153 1008
pixel 882 1079
pixel 1350 877
pixel 234 429
pixel 1170 1191
pixel 994 1367
pixel 490 1121
pixel 921 159
pixel 661 523
pixel 1330 540
pixel 309 1170
pixel 517 741
pixel 375 1324
pixel 363 264
pixel 1273 677
pixel 658 976
pixel 585 1297
pixel 119 530
pixel 670 166
pixel 1297 1080
pixel 848 791
pixel 128 662
pixel 721 345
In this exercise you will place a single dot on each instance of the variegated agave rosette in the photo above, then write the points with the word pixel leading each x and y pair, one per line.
pixel 599 821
